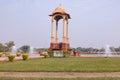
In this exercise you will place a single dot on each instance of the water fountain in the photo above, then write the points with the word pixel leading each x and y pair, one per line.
pixel 108 52
pixel 31 51
pixel 14 50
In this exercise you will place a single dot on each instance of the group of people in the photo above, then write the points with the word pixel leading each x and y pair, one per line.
pixel 76 53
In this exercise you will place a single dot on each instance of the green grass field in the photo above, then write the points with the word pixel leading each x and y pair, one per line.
pixel 63 65
pixel 12 78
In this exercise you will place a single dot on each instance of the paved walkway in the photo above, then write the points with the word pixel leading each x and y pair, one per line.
pixel 58 74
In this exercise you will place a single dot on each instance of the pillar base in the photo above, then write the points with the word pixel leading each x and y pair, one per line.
pixel 64 46
pixel 54 46
pixel 59 46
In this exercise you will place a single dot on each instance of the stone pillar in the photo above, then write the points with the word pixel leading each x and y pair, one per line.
pixel 64 31
pixel 52 31
pixel 56 31
pixel 67 38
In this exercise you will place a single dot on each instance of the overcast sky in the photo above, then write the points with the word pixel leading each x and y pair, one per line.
pixel 93 23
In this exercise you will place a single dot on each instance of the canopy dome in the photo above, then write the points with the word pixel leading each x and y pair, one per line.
pixel 60 10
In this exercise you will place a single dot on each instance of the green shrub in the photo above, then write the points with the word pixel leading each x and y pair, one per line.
pixel 25 56
pixel 18 54
pixel 45 55
pixel 66 53
pixel 50 53
pixel 11 57
pixel 1 54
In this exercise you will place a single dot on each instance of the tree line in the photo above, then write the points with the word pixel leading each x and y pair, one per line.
pixel 91 49
pixel 7 47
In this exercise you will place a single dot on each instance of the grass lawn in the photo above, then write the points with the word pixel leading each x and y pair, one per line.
pixel 63 65
pixel 106 78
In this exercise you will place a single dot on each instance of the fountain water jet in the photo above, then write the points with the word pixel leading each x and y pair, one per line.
pixel 31 51
pixel 108 51
pixel 14 50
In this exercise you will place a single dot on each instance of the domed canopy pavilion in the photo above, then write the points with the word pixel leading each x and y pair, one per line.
pixel 57 14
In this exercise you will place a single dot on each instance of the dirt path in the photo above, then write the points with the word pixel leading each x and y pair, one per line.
pixel 57 74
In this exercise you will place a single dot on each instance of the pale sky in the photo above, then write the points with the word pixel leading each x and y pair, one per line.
pixel 93 23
